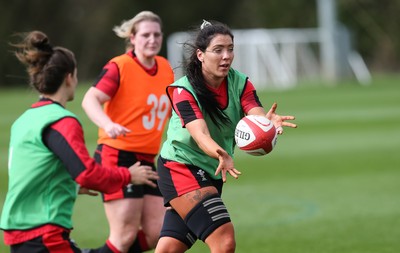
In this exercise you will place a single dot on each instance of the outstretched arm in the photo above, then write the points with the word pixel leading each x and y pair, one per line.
pixel 199 131
pixel 278 120
pixel 192 118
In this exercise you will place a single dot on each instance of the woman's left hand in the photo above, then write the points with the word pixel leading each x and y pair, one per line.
pixel 278 120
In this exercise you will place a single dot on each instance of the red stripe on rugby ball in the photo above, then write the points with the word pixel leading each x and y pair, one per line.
pixel 263 131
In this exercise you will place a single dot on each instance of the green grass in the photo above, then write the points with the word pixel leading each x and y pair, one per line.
pixel 332 185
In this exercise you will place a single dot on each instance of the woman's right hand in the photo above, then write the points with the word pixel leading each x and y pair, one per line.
pixel 114 130
pixel 226 165
pixel 142 174
pixel 92 103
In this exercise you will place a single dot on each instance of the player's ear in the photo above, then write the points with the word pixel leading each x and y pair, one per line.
pixel 132 39
pixel 200 55
pixel 69 79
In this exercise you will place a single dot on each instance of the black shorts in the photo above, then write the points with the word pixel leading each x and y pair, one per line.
pixel 177 179
pixel 111 157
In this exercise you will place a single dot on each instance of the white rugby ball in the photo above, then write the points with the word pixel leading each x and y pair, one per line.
pixel 256 135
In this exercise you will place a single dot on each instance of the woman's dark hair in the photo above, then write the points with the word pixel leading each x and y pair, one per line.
pixel 47 66
pixel 194 70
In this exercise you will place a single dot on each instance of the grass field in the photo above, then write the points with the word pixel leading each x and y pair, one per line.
pixel 330 186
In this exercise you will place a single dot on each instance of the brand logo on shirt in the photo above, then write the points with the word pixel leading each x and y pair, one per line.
pixel 201 173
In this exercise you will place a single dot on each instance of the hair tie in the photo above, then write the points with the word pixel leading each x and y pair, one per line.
pixel 45 47
pixel 205 24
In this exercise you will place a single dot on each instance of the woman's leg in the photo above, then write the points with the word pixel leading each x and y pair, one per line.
pixel 152 218
pixel 123 217
pixel 206 216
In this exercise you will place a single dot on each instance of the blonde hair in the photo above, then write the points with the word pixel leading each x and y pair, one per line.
pixel 129 27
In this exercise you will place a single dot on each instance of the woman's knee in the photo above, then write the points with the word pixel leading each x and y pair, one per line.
pixel 170 245
pixel 124 236
pixel 222 239
pixel 227 244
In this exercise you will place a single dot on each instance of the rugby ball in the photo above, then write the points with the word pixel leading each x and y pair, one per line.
pixel 256 135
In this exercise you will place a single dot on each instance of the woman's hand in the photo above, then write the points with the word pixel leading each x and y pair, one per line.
pixel 114 130
pixel 278 120
pixel 92 103
pixel 143 174
pixel 226 165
